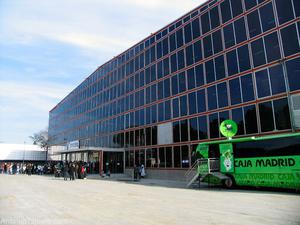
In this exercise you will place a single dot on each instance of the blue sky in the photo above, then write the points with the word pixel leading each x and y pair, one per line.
pixel 48 47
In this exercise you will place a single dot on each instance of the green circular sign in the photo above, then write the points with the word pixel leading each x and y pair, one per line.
pixel 228 128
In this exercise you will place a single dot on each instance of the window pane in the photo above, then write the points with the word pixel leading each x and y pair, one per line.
pixel 166 66
pixel 167 88
pixel 284 10
pixel 184 130
pixel 258 53
pixel 250 119
pixel 235 91
pixel 189 55
pixel 228 36
pixel 193 129
pixel 182 82
pixel 237 116
pixel 243 57
pixel 160 112
pixel 176 131
pixel 173 63
pixel 210 71
pixel 222 95
pixel 247 88
pixel 169 157
pixel 282 114
pixel 297 7
pixel 201 103
pixel 253 24
pixel 290 40
pixel 191 78
pixel 180 59
pixel 197 51
pixel 250 4
pixel 262 83
pixel 175 87
pixel 167 110
pixel 183 105
pixel 179 38
pixel 240 30
pixel 266 116
pixel 277 79
pixel 177 159
pixel 212 98
pixel 214 17
pixel 272 47
pixel 267 17
pixel 202 127
pixel 185 159
pixel 192 103
pixel 196 28
pixel 293 72
pixel 187 33
pixel 205 23
pixel 226 11
pixel 237 7
pixel 172 40
pixel 232 65
pixel 220 67
pixel 214 125
pixel 217 41
pixel 199 75
pixel 207 46
pixel 175 107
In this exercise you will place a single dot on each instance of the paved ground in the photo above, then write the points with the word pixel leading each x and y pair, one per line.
pixel 45 200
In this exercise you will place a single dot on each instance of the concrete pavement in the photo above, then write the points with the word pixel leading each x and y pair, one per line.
pixel 46 200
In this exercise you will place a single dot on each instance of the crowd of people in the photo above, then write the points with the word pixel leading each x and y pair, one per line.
pixel 139 172
pixel 71 170
pixel 26 168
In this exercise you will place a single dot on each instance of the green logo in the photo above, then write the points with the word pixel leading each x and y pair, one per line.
pixel 228 128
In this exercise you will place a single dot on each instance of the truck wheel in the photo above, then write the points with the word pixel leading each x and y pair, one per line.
pixel 228 183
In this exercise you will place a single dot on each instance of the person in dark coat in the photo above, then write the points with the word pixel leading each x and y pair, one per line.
pixel 66 171
pixel 72 171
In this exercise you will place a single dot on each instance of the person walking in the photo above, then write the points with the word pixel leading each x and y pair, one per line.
pixel 143 173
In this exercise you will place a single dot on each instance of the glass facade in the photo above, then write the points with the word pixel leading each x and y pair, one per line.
pixel 231 59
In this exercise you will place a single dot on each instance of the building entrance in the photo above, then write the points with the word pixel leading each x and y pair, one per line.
pixel 113 161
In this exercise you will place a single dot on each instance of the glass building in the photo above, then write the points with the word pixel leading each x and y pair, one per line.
pixel 152 104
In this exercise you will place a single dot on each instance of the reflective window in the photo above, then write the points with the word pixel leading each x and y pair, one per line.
pixel 232 64
pixel 250 119
pixel 183 105
pixel 293 72
pixel 253 24
pixel 175 107
pixel 201 102
pixel 277 79
pixel 262 83
pixel 166 66
pixel 235 91
pixel 258 53
pixel 272 47
pixel 184 130
pixel 179 38
pixel 173 62
pixel 187 33
pixel 167 90
pixel 267 17
pixel 207 44
pixel 160 112
pixel 182 82
pixel 172 40
pixel 284 10
pixel 176 132
pixel 250 4
pixel 266 116
pixel 199 75
pixel 212 98
pixel 197 51
pixel 185 159
pixel 165 44
pixel 191 80
pixel 226 11
pixel 202 127
pixel 290 40
pixel 180 59
pixel 189 55
pixel 243 57
pixel 217 41
pixel 240 30
pixel 210 71
pixel 205 23
pixel 175 87
pixel 228 35
pixel 192 103
pixel 222 95
pixel 167 110
pixel 237 116
pixel 214 17
pixel 177 160
pixel 214 125
pixel 237 7
pixel 247 88
pixel 193 129
pixel 220 67
pixel 297 7
pixel 282 114
pixel 196 28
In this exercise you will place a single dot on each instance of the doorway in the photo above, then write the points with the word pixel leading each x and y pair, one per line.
pixel 113 161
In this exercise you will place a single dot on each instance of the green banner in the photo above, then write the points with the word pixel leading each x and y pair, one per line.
pixel 226 158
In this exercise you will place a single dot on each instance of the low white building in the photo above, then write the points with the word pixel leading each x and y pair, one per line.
pixel 21 152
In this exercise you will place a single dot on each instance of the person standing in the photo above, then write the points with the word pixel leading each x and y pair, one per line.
pixel 143 173
pixel 66 171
